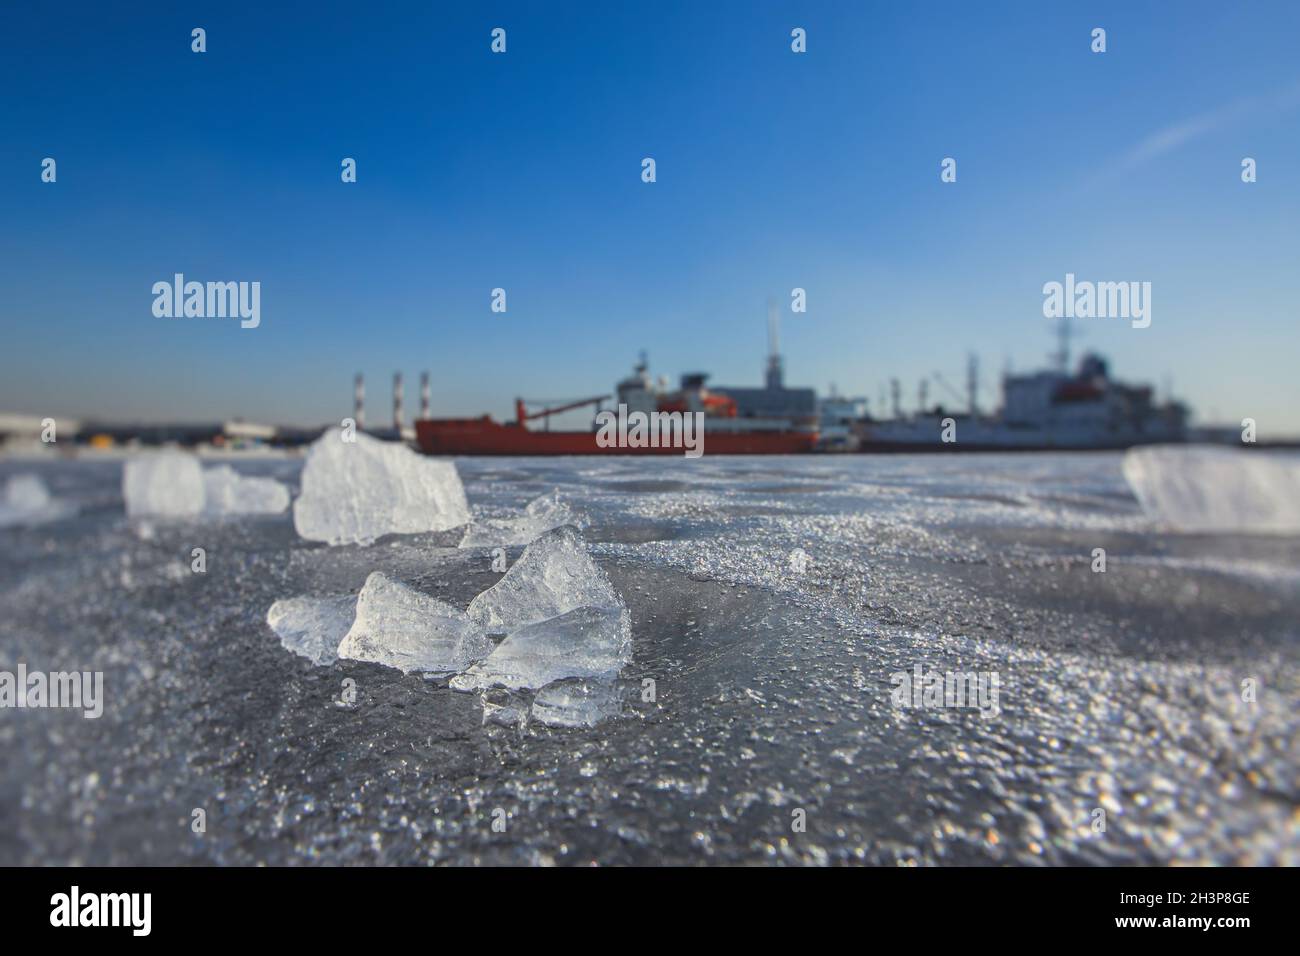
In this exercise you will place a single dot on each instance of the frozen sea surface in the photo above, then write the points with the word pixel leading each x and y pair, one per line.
pixel 771 601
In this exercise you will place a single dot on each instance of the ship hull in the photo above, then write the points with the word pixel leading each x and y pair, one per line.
pixel 483 436
pixel 885 447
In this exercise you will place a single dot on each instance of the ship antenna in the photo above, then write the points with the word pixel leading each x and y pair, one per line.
pixel 1064 332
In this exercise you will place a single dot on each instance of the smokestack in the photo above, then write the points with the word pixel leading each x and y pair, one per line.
pixel 397 402
pixel 359 402
pixel 426 396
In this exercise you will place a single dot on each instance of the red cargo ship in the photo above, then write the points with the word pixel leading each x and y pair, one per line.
pixel 724 431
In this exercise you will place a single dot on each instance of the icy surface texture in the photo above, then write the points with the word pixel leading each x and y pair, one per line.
pixel 26 501
pixel 227 492
pixel 165 484
pixel 540 516
pixel 576 703
pixel 553 575
pixel 354 492
pixel 585 642
pixel 400 627
pixel 313 626
pixel 1119 690
pixel 1217 489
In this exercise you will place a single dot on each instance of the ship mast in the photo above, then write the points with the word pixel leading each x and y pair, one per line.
pixel 1064 332
pixel 774 378
pixel 398 397
pixel 972 382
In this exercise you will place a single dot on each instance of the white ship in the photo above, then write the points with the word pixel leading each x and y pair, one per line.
pixel 1050 409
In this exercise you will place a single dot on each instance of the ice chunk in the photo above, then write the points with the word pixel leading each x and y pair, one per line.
pixel 400 627
pixel 586 642
pixel 358 491
pixel 167 484
pixel 1202 488
pixel 505 708
pixel 27 493
pixel 313 626
pixel 576 703
pixel 540 516
pixel 227 492
pixel 553 575
pixel 27 501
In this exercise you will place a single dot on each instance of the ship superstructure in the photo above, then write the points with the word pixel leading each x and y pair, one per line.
pixel 1047 409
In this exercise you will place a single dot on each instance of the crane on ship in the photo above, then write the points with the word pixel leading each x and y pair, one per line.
pixel 552 407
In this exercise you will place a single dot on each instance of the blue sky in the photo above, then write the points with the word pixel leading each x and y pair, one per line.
pixel 522 171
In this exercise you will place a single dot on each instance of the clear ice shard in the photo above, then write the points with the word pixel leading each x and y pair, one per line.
pixel 576 703
pixel 505 708
pixel 165 484
pixel 585 642
pixel 1202 488
pixel 555 574
pixel 540 516
pixel 26 501
pixel 313 626
pixel 227 492
pixel 401 627
pixel 357 491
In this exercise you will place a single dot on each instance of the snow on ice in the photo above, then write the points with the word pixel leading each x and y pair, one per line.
pixel 357 491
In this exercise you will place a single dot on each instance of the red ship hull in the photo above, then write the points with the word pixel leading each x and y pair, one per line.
pixel 483 436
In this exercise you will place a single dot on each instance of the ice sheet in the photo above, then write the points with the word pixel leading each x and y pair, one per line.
pixel 1120 690
pixel 355 492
